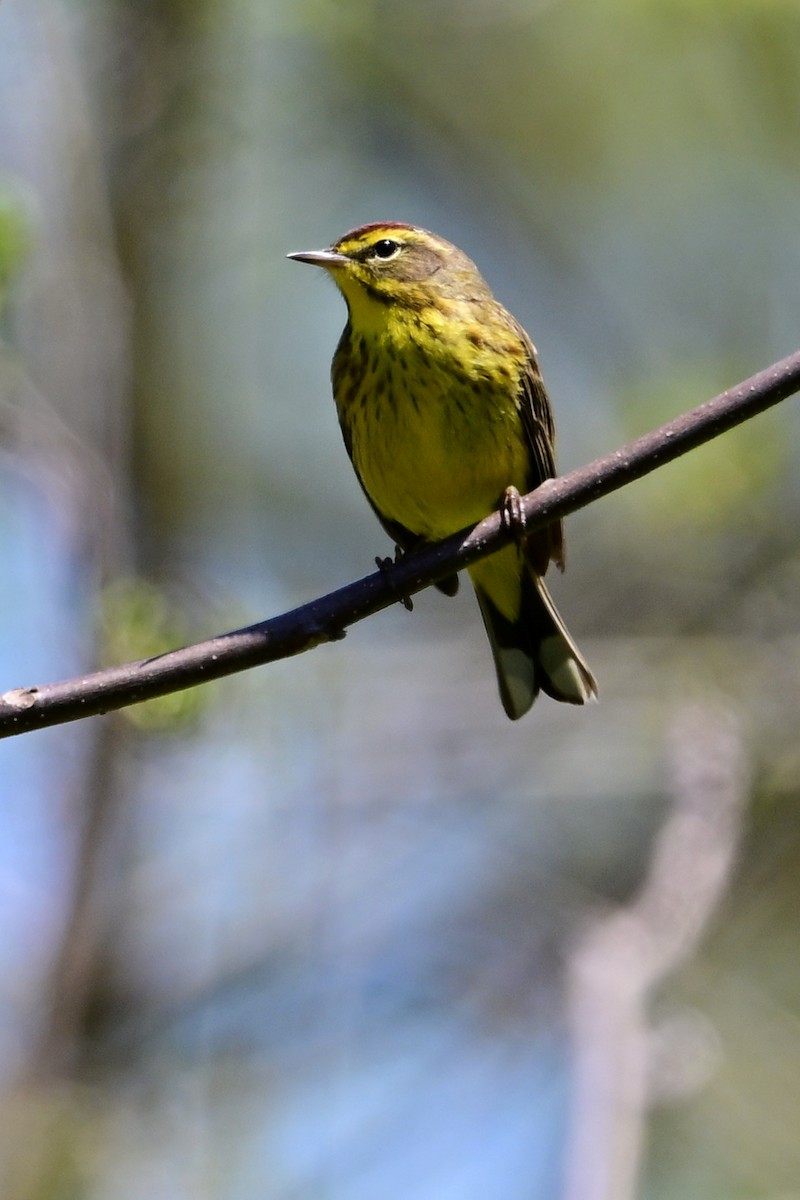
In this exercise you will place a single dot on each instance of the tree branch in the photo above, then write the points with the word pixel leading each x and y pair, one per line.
pixel 326 619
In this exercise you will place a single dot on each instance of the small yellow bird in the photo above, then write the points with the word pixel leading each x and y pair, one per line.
pixel 443 410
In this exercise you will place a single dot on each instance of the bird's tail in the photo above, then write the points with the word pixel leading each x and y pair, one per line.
pixel 534 651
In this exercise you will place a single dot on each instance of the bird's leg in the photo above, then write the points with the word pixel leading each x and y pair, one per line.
pixel 512 513
pixel 383 565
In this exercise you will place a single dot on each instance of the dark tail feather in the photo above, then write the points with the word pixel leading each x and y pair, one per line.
pixel 534 652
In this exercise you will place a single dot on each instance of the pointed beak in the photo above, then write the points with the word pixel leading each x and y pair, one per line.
pixel 320 258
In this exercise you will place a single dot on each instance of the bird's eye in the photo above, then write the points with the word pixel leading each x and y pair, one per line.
pixel 385 249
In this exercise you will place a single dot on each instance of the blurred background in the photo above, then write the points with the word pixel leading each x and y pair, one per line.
pixel 336 928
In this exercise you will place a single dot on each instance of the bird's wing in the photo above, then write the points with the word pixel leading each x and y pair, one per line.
pixel 537 421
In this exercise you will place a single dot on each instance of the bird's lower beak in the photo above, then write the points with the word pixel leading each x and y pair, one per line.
pixel 320 258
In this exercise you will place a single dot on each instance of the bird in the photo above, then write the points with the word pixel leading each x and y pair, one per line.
pixel 445 417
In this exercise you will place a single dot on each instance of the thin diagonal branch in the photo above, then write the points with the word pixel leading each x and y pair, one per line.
pixel 326 619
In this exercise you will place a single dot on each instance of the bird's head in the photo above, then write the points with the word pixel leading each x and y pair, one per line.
pixel 388 265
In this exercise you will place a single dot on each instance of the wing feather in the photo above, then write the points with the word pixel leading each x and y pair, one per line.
pixel 537 421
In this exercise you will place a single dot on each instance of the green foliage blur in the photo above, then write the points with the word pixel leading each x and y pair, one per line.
pixel 15 241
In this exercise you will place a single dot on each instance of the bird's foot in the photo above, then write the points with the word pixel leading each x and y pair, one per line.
pixel 512 513
pixel 383 565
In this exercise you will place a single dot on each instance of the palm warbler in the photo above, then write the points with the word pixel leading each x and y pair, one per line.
pixel 444 412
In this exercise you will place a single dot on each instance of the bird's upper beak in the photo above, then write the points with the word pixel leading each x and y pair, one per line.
pixel 320 258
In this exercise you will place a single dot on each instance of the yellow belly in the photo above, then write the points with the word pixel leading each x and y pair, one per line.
pixel 439 458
